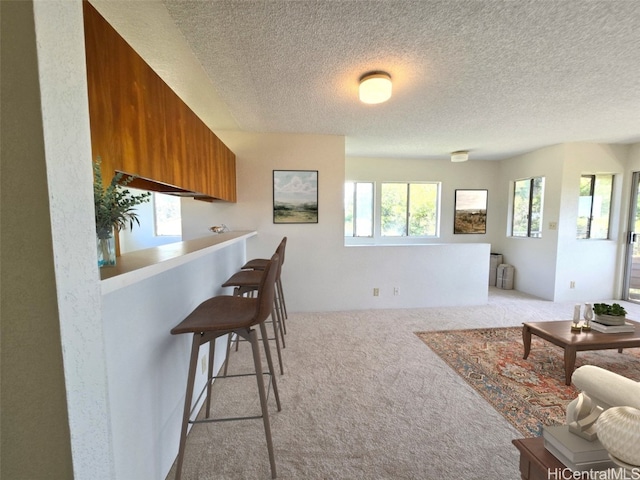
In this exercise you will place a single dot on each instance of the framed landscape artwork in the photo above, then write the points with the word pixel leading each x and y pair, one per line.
pixel 470 211
pixel 295 196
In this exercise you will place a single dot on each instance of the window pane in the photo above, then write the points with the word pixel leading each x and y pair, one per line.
pixel 393 209
pixel 584 205
pixel 521 194
pixel 167 213
pixel 348 209
pixel 601 206
pixel 536 207
pixel 364 210
pixel 423 198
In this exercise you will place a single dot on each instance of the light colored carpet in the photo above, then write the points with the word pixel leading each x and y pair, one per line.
pixel 364 398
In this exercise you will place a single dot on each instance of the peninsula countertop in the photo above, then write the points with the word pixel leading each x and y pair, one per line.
pixel 136 266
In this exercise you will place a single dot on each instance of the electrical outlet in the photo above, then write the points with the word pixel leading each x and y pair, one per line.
pixel 203 363
pixel 396 291
pixel 572 284
pixel 376 292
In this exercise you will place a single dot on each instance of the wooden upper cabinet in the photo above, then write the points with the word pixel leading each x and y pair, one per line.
pixel 139 126
pixel 224 174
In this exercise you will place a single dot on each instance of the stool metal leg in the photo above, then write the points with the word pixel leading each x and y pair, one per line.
pixel 212 354
pixel 277 324
pixel 226 358
pixel 253 337
pixel 267 353
pixel 280 319
pixel 277 338
pixel 281 296
pixel 193 363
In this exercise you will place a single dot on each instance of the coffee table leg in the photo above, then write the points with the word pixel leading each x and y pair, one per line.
pixel 569 364
pixel 526 340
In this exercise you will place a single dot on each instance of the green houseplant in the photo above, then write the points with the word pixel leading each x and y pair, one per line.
pixel 114 209
pixel 609 314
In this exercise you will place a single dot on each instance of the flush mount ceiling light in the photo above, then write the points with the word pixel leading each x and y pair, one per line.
pixel 375 87
pixel 460 156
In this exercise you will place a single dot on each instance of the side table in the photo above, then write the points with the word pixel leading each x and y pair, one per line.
pixel 536 461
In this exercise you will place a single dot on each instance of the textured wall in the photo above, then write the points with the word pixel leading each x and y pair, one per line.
pixel 35 433
pixel 63 89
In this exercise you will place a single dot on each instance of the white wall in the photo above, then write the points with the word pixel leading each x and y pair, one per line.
pixel 634 157
pixel 591 264
pixel 545 266
pixel 534 259
pixel 147 366
pixel 63 86
pixel 320 273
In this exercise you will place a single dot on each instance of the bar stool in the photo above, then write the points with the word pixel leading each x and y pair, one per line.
pixel 258 264
pixel 224 315
pixel 245 282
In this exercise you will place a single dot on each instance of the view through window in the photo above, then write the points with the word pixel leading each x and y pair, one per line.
pixel 409 209
pixel 594 206
pixel 528 196
pixel 168 220
pixel 405 209
pixel 358 209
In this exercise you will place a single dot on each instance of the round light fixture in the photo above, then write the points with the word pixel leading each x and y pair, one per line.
pixel 460 156
pixel 375 87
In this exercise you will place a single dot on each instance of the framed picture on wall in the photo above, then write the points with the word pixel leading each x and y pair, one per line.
pixel 295 196
pixel 470 211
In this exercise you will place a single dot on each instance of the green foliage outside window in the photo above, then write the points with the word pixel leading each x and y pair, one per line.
pixel 594 206
pixel 409 209
pixel 528 197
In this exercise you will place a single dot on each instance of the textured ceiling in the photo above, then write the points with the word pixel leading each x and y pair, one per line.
pixel 497 78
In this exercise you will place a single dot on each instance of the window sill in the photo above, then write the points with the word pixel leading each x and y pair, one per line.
pixel 390 242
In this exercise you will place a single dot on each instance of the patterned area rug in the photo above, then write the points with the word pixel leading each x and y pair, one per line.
pixel 528 393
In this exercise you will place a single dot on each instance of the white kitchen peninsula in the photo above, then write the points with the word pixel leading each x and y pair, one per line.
pixel 143 297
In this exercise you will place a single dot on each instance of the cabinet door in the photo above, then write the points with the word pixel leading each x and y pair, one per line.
pixel 225 172
pixel 179 142
pixel 202 163
pixel 126 104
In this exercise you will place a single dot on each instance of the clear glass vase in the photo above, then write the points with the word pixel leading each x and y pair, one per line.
pixel 107 251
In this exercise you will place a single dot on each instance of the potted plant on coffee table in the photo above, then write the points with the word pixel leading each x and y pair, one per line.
pixel 114 209
pixel 609 314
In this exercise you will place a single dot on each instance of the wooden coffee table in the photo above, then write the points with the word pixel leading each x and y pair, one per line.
pixel 560 334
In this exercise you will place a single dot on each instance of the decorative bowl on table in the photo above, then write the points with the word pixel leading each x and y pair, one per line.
pixel 610 319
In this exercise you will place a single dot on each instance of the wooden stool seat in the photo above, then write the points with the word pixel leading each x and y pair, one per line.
pixel 216 314
pixel 255 264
